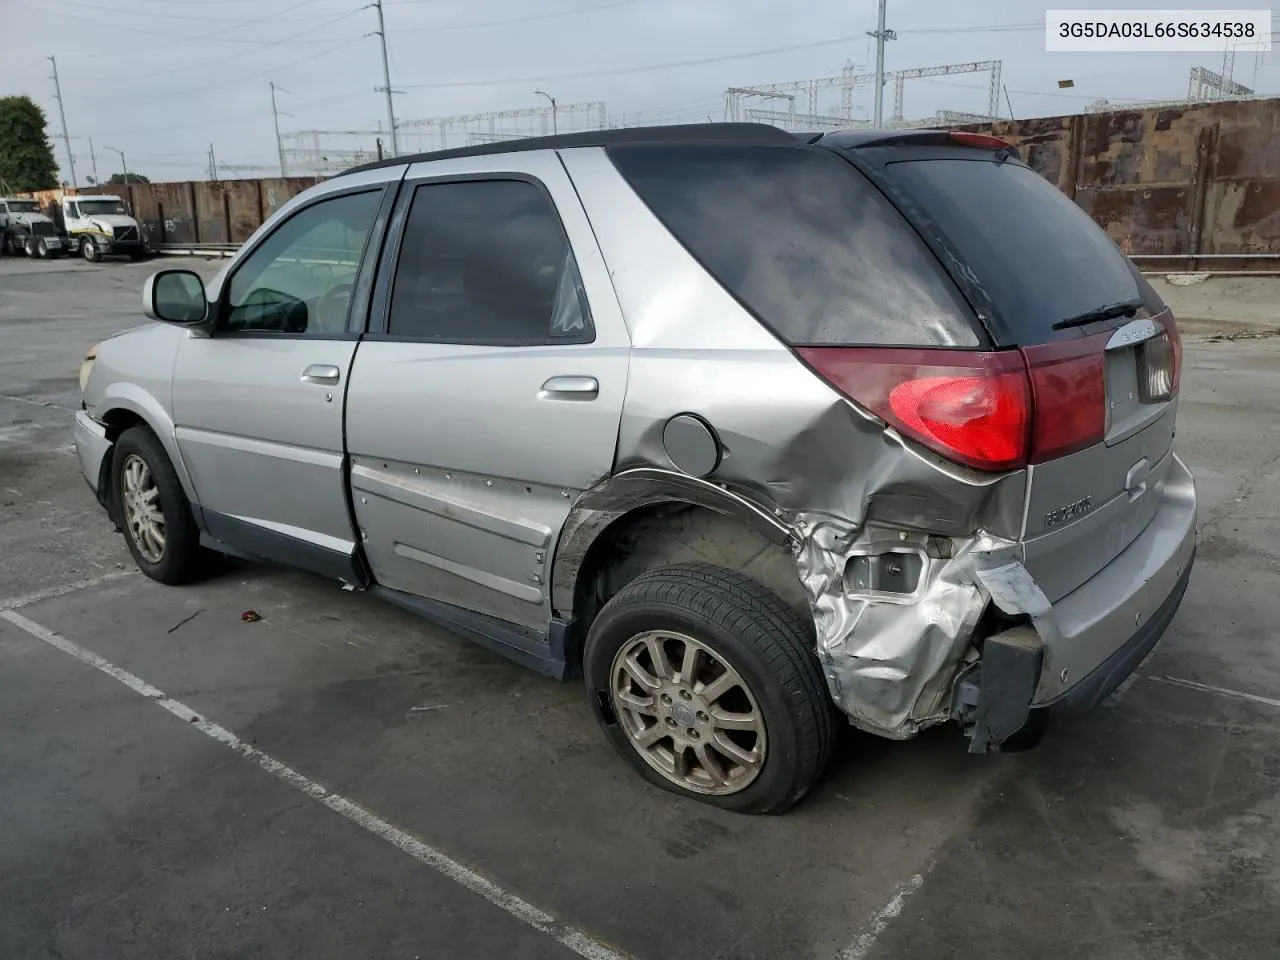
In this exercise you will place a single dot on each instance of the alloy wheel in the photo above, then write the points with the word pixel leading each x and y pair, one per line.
pixel 688 712
pixel 143 515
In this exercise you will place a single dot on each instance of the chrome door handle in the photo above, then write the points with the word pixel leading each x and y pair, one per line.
pixel 570 388
pixel 325 374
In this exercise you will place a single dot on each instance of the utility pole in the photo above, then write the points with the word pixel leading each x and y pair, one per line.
pixel 275 119
pixel 555 125
pixel 386 79
pixel 93 159
pixel 213 165
pixel 881 35
pixel 57 92
pixel 123 165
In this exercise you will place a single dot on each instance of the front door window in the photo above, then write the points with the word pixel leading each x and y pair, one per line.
pixel 299 280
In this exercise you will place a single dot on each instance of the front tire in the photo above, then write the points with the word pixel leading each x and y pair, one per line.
pixel 89 250
pixel 42 249
pixel 705 681
pixel 151 508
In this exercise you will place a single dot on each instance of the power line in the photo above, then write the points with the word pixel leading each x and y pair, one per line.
pixel 215 36
pixel 615 71
pixel 511 20
pixel 275 69
pixel 293 38
pixel 149 15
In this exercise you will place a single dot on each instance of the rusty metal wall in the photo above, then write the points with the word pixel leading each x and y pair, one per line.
pixel 1198 179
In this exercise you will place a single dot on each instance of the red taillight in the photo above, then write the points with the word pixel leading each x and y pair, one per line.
pixel 983 141
pixel 991 411
pixel 971 407
pixel 1068 387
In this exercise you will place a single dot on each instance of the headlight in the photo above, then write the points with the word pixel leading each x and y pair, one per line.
pixel 86 366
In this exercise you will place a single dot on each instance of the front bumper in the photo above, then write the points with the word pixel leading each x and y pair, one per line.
pixel 92 447
pixel 1087 643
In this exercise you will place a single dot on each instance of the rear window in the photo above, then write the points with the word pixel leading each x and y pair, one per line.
pixel 1039 257
pixel 802 240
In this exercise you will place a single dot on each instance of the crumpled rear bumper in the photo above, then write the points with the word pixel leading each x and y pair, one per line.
pixel 1087 643
pixel 896 663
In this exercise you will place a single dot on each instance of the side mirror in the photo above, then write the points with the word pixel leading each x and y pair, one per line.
pixel 175 296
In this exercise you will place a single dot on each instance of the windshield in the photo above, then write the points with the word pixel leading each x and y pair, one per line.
pixel 1039 256
pixel 89 208
pixel 23 206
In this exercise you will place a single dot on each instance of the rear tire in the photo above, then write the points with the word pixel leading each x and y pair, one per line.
pixel 152 510
pixel 753 727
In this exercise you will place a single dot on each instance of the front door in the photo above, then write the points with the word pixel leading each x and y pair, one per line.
pixel 258 404
pixel 489 390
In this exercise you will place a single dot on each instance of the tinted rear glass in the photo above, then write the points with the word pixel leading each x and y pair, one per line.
pixel 1039 256
pixel 803 240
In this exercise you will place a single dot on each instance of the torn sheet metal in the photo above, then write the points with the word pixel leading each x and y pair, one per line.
pixel 890 658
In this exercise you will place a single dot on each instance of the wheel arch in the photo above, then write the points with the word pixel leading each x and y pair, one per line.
pixel 644 519
pixel 127 405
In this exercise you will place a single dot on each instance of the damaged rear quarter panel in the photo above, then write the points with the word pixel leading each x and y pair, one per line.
pixel 834 475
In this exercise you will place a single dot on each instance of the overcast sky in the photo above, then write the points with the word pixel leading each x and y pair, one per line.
pixel 161 79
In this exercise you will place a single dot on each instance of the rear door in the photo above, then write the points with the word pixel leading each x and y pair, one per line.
pixel 489 389
pixel 1040 271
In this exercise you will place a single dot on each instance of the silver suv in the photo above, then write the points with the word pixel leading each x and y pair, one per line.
pixel 748 429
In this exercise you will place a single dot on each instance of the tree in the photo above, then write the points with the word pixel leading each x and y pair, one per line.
pixel 118 178
pixel 26 156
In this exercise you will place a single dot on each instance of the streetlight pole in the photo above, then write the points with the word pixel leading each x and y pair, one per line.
pixel 555 124
pixel 123 165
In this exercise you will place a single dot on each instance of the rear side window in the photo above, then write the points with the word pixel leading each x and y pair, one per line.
pixel 1039 257
pixel 804 241
pixel 487 262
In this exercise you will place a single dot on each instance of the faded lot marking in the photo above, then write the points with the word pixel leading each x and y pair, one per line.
pixel 62 589
pixel 866 938
pixel 1208 688
pixel 577 941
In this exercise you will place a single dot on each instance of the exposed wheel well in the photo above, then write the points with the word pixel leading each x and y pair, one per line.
pixel 119 420
pixel 662 534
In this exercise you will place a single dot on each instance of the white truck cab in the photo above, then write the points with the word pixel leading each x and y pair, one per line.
pixel 24 229
pixel 100 225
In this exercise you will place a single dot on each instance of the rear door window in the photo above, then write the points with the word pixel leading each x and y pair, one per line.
pixel 1039 257
pixel 802 240
pixel 487 262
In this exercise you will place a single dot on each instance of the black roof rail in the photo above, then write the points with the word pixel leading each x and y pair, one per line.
pixel 675 133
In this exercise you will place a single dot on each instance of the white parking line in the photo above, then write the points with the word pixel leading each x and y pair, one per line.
pixel 1207 688
pixel 577 941
pixel 62 589
pixel 861 945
